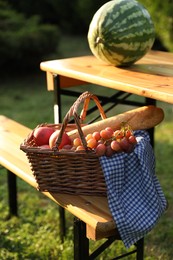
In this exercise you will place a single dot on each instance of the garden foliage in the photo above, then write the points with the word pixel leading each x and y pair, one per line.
pixel 30 30
pixel 24 40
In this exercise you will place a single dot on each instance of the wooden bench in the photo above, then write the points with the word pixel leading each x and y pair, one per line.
pixel 93 219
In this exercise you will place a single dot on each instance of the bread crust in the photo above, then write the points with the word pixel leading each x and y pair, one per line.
pixel 141 118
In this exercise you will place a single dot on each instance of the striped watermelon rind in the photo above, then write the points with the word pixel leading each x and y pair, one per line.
pixel 121 32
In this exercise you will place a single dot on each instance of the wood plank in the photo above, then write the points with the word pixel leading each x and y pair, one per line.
pixel 151 76
pixel 64 81
pixel 99 221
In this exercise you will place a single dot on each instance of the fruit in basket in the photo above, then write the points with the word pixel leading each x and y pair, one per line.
pixel 121 32
pixel 140 118
pixel 108 142
pixel 42 134
pixel 109 152
pixel 100 149
pixel 96 135
pixel 65 139
pixel 105 134
pixel 77 142
pixel 121 140
pixel 115 145
pixel 92 143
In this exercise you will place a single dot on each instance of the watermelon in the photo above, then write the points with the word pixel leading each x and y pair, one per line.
pixel 121 32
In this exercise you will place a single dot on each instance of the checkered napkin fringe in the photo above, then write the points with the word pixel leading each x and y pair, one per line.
pixel 135 196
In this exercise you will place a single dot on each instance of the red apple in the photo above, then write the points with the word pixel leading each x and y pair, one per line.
pixel 42 135
pixel 65 139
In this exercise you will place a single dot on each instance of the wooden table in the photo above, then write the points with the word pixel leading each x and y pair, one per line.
pixel 151 77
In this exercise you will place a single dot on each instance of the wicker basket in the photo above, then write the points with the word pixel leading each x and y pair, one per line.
pixel 65 171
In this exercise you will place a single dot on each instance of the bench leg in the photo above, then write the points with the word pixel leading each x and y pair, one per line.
pixel 12 193
pixel 62 227
pixel 140 249
pixel 12 200
pixel 81 242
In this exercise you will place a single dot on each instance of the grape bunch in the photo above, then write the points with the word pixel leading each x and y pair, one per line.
pixel 107 142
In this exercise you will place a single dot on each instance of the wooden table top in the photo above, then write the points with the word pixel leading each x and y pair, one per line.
pixel 151 76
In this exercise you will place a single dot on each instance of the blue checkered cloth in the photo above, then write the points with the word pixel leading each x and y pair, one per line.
pixel 135 197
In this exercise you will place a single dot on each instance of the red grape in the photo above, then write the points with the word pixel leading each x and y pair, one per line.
pixel 100 149
pixel 128 133
pixel 77 142
pixel 89 136
pixel 109 152
pixel 115 146
pixel 131 148
pixel 105 134
pixel 132 139
pixel 79 148
pixel 96 135
pixel 110 130
pixel 92 143
pixel 118 134
pixel 124 144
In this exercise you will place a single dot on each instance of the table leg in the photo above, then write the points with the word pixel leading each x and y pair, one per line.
pixel 57 120
pixel 57 101
pixel 150 101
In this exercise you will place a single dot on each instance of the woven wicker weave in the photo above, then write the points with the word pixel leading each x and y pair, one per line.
pixel 65 171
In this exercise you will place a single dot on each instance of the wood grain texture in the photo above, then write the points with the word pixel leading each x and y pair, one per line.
pixel 151 76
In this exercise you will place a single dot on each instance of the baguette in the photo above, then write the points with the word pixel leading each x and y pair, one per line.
pixel 141 118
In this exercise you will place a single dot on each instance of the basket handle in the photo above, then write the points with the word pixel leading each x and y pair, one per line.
pixel 73 112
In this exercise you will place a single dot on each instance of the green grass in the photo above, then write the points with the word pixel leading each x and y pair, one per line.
pixel 35 233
